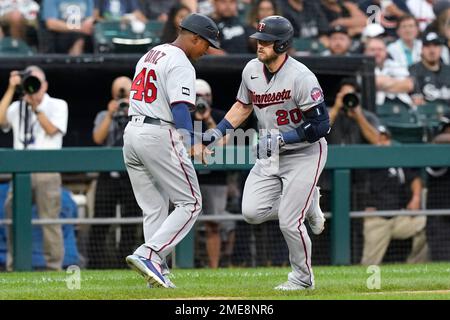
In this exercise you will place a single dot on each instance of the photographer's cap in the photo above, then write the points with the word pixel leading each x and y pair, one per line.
pixel 202 87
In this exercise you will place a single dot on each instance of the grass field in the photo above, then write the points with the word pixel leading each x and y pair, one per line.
pixel 431 281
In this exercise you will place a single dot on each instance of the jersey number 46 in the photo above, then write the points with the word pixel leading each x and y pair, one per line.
pixel 144 86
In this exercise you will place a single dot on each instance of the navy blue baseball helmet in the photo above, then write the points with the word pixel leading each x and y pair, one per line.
pixel 204 26
pixel 275 29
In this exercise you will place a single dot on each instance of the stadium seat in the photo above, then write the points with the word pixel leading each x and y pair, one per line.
pixel 14 47
pixel 407 132
pixel 155 27
pixel 393 112
pixel 429 116
pixel 308 45
pixel 432 111
pixel 116 37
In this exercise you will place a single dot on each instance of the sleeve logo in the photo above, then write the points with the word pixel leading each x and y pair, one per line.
pixel 316 94
pixel 185 91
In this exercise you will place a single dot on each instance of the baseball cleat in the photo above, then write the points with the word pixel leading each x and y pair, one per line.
pixel 148 269
pixel 290 286
pixel 314 215
pixel 169 283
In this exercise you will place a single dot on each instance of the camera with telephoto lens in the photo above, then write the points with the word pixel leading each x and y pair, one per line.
pixel 350 101
pixel 201 105
pixel 121 115
pixel 29 84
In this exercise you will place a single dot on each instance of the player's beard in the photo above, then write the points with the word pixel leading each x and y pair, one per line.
pixel 268 59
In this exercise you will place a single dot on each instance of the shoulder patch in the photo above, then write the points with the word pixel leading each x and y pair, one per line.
pixel 316 94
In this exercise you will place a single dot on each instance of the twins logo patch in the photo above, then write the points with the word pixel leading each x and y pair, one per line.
pixel 186 91
pixel 316 94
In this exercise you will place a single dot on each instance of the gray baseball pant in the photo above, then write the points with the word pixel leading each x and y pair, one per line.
pixel 286 194
pixel 161 170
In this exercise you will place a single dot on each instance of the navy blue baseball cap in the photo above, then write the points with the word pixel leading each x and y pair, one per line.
pixel 432 38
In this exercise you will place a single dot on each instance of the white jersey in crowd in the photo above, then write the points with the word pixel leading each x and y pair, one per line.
pixel 280 101
pixel 56 111
pixel 395 70
pixel 163 77
pixel 397 51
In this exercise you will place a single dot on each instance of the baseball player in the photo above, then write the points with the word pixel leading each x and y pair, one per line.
pixel 289 105
pixel 156 159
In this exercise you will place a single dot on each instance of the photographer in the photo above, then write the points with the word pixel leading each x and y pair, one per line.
pixel 114 190
pixel 38 122
pixel 351 123
pixel 213 184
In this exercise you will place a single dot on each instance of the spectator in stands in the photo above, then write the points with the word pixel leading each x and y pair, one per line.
pixel 393 189
pixel 261 9
pixel 339 42
pixel 385 12
pixel 117 10
pixel 213 184
pixel 38 122
pixel 431 75
pixel 258 11
pixel 16 15
pixel 392 81
pixel 344 13
pixel 438 226
pixel 113 188
pixel 205 7
pixel 70 23
pixel 159 9
pixel 172 26
pixel 422 10
pixel 308 20
pixel 234 36
pixel 406 50
pixel 441 25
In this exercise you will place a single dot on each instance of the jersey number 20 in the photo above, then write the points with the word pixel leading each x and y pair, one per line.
pixel 144 86
pixel 283 116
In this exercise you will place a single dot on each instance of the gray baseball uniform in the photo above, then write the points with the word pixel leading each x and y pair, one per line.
pixel 156 159
pixel 286 191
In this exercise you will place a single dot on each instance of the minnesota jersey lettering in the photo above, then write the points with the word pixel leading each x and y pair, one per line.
pixel 279 102
pixel 270 99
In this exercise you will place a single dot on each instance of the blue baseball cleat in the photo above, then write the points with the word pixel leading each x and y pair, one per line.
pixel 148 269
pixel 169 283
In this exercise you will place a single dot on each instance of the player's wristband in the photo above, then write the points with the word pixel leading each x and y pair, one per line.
pixel 218 132
pixel 293 136
pixel 223 126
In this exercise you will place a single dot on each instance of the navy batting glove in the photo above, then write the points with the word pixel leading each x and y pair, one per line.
pixel 269 145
